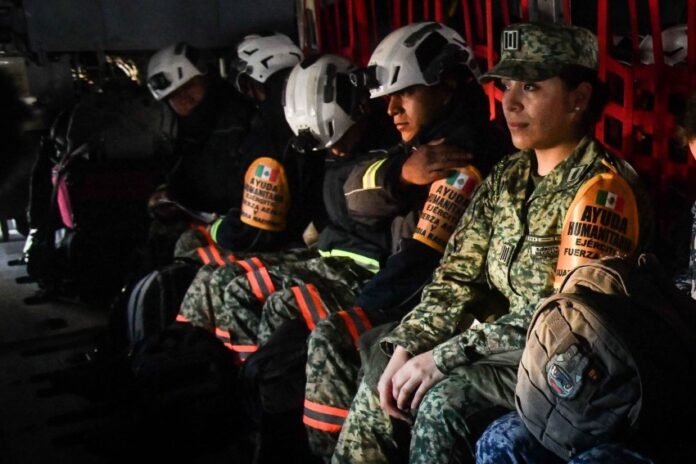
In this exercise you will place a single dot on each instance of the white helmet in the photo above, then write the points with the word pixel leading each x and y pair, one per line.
pixel 674 46
pixel 415 54
pixel 172 67
pixel 319 101
pixel 260 56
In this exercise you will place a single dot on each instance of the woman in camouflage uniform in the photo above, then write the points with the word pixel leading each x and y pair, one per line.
pixel 449 367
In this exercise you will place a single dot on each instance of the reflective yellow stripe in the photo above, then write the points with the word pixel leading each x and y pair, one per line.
pixel 369 263
pixel 369 180
pixel 214 229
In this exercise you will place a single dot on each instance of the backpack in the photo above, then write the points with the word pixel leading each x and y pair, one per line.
pixel 272 386
pixel 608 359
pixel 185 395
pixel 90 187
pixel 155 299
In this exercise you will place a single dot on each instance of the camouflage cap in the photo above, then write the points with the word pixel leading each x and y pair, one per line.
pixel 533 52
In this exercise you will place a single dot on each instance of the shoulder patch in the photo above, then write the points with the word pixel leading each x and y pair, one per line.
pixel 602 220
pixel 447 200
pixel 266 198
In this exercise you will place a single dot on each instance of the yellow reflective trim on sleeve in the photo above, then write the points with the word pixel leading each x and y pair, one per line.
pixel 214 229
pixel 369 263
pixel 369 180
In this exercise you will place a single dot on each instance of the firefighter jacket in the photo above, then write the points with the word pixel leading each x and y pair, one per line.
pixel 208 174
pixel 506 248
pixel 374 192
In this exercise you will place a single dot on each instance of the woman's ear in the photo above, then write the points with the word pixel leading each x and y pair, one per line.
pixel 580 97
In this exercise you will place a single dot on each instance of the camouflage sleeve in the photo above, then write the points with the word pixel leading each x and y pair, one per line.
pixel 373 191
pixel 458 283
pixel 507 333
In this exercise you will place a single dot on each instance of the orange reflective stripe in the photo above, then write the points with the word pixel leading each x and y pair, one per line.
pixel 350 325
pixel 310 304
pixel 315 424
pixel 367 325
pixel 223 335
pixel 244 351
pixel 203 254
pixel 261 283
pixel 206 234
pixel 356 322
pixel 250 264
pixel 181 318
pixel 322 417
pixel 245 348
pixel 230 259
pixel 216 254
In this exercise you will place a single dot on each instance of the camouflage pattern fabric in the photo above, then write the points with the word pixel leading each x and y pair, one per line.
pixel 198 299
pixel 188 241
pixel 333 367
pixel 283 305
pixel 441 424
pixel 507 441
pixel 496 246
pixel 503 241
pixel 533 52
pixel 206 292
pixel 241 312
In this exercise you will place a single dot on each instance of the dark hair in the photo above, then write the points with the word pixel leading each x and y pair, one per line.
pixel 688 123
pixel 469 92
pixel 574 75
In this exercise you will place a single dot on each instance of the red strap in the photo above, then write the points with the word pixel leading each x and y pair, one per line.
pixel 310 304
pixel 181 318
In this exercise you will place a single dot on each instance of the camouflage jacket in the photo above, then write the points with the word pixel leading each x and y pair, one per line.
pixel 505 244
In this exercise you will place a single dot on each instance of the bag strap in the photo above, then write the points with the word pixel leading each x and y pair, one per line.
pixel 560 330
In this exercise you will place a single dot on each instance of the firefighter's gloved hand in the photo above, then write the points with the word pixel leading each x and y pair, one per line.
pixel 433 161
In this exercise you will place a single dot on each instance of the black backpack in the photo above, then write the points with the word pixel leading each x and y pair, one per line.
pixel 185 385
pixel 155 299
pixel 272 386
pixel 609 359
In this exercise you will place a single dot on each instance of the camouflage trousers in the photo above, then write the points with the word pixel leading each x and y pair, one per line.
pixel 444 426
pixel 207 290
pixel 507 441
pixel 255 304
pixel 334 373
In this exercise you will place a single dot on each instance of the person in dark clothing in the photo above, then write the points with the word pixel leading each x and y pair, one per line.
pixel 263 64
pixel 212 122
pixel 231 302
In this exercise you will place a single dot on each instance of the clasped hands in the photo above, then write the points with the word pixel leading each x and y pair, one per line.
pixel 405 381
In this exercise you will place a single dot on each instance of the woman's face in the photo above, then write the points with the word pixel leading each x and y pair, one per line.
pixel 415 107
pixel 544 114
